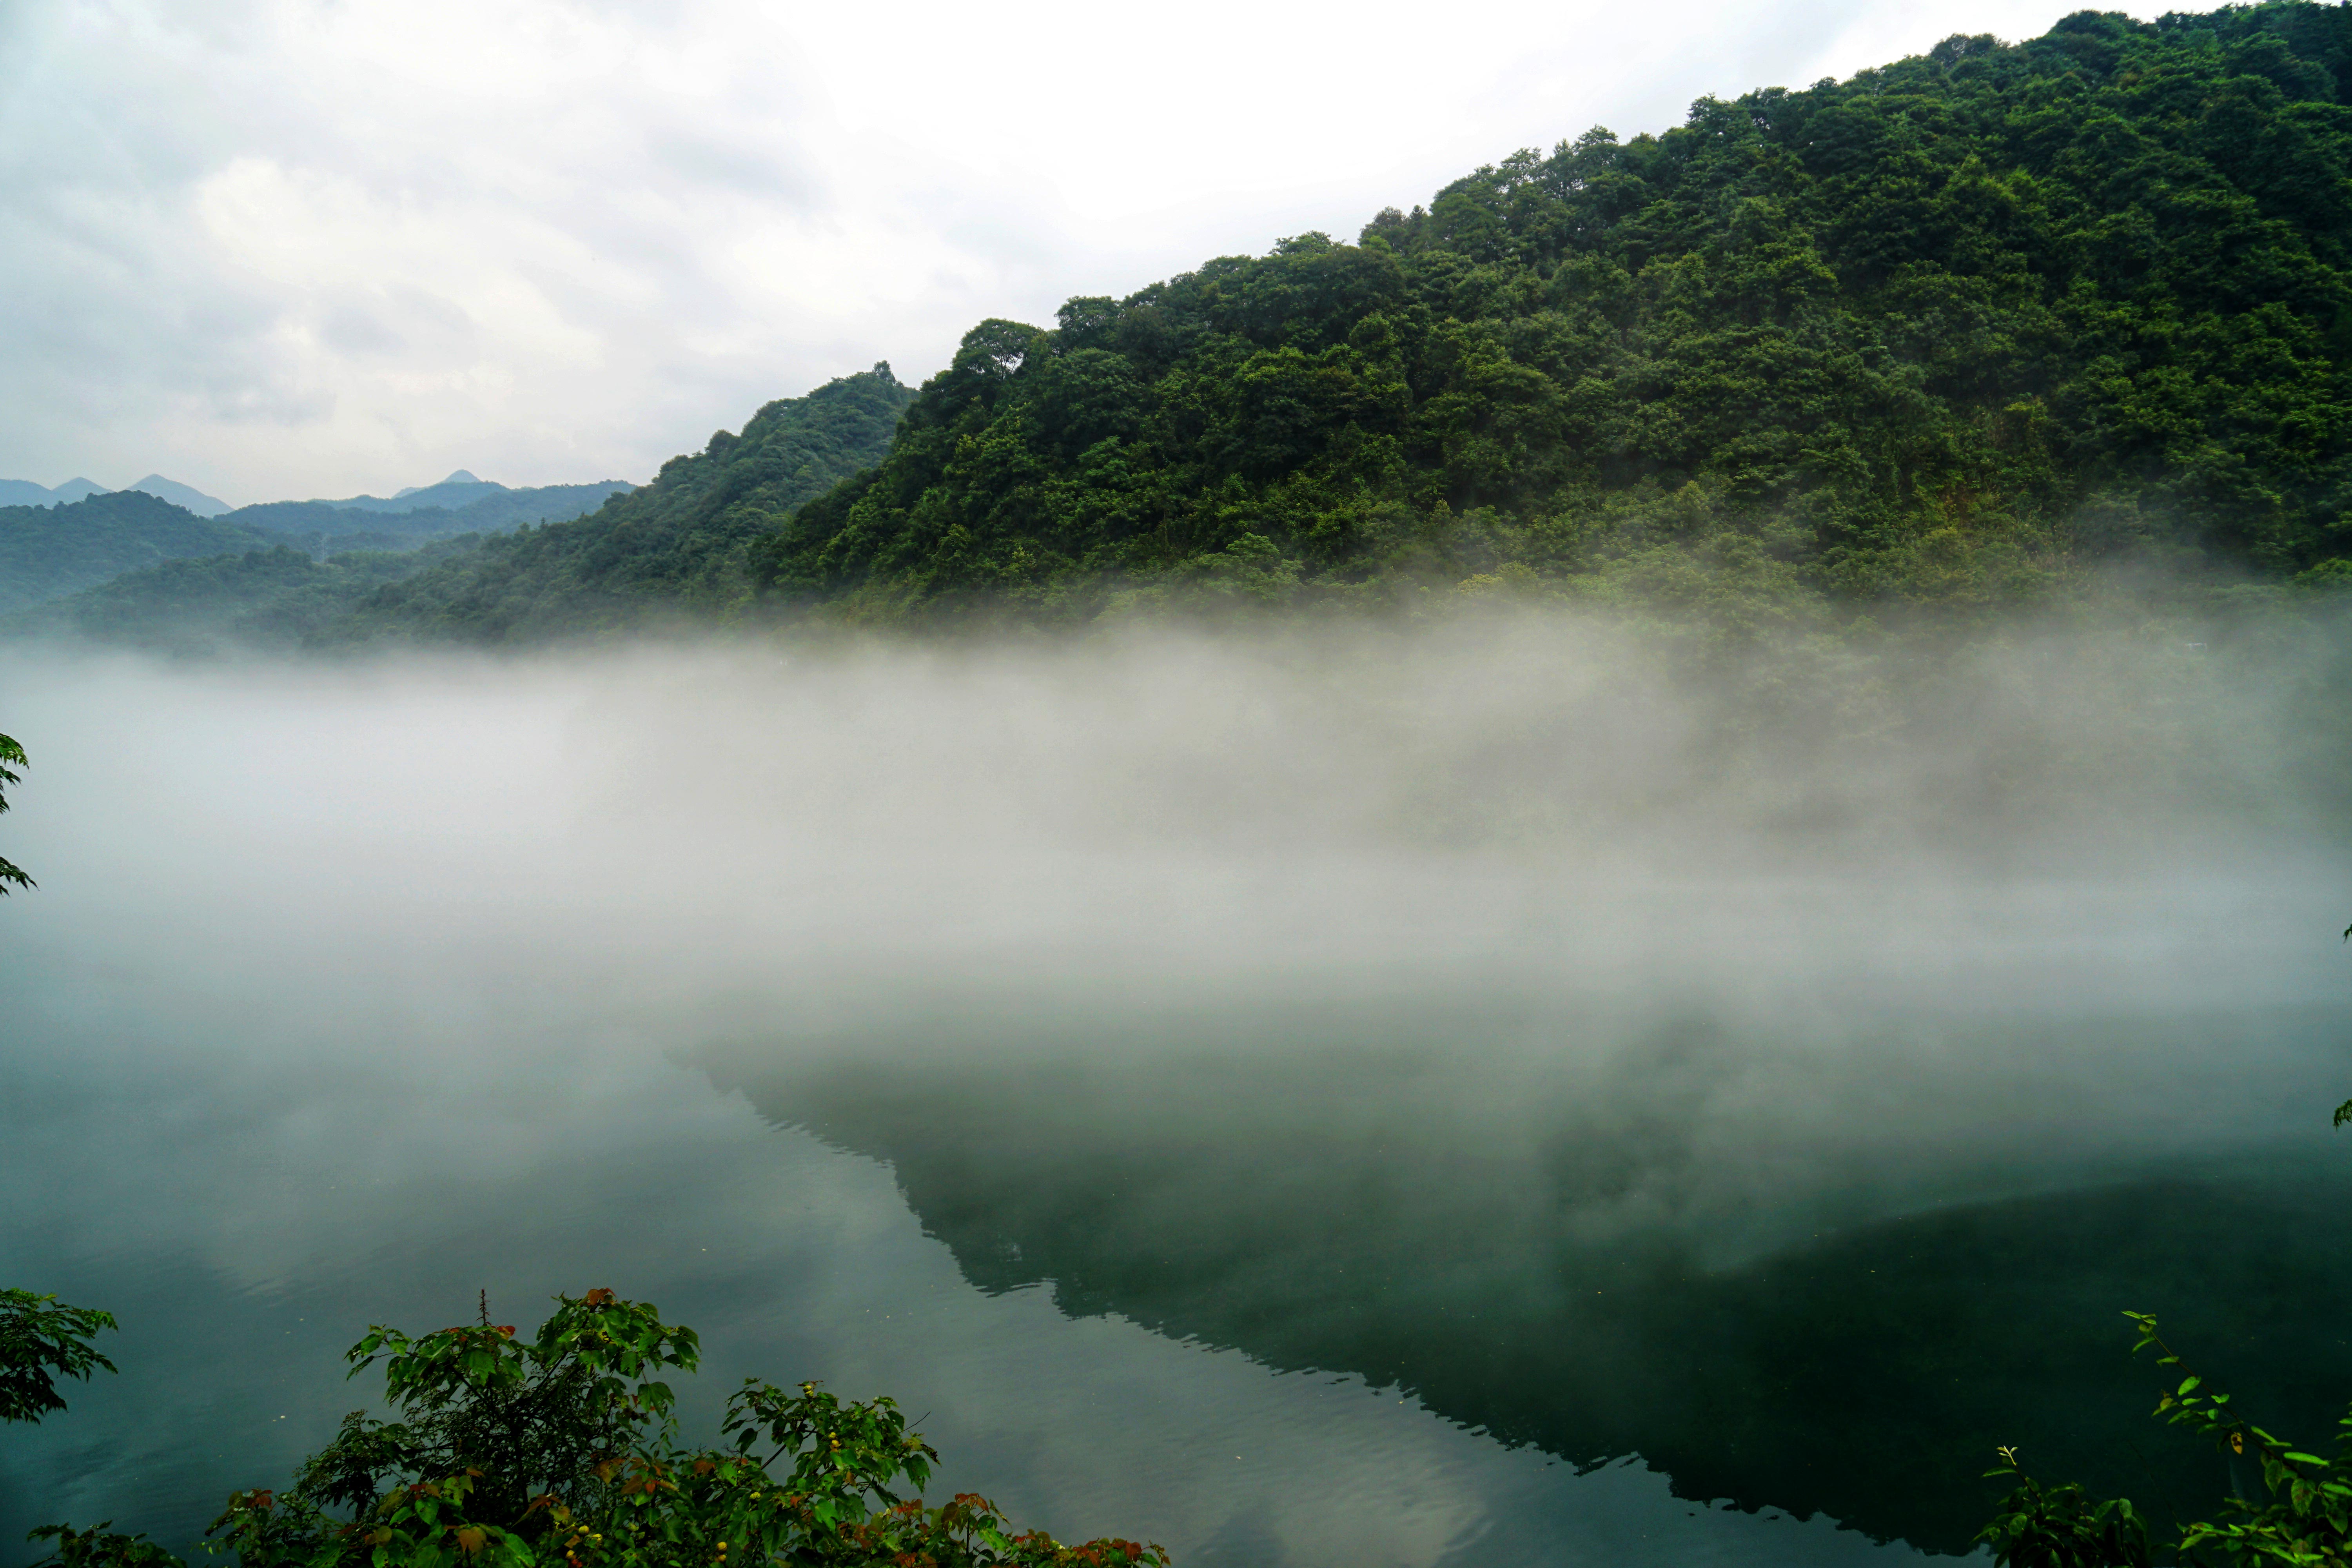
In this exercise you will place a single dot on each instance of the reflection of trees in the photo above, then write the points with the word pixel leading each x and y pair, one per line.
pixel 1316 1213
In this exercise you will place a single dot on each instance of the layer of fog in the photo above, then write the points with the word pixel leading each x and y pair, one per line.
pixel 349 987
pixel 1937 929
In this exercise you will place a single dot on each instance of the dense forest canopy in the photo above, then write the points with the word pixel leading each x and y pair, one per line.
pixel 124 540
pixel 1955 328
pixel 45 551
pixel 280 597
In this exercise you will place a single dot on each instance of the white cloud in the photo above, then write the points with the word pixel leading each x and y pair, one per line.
pixel 288 247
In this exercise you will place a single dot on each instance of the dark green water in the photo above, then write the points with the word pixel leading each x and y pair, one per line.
pixel 1317 1215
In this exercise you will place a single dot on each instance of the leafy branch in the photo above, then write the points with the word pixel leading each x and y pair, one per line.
pixel 11 752
pixel 2304 1521
pixel 42 1340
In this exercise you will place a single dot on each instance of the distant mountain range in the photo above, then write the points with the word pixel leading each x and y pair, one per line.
pixel 456 477
pixel 459 489
pixel 25 492
pixel 65 540
pixel 180 495
pixel 434 511
pixel 458 493
pixel 501 566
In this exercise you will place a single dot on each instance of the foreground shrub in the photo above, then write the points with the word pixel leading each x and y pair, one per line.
pixel 2303 1518
pixel 560 1448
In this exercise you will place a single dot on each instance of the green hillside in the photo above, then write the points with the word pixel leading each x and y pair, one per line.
pixel 46 551
pixel 1958 328
pixel 278 599
pixel 674 548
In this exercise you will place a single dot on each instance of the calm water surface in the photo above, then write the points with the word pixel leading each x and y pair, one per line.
pixel 1449 1210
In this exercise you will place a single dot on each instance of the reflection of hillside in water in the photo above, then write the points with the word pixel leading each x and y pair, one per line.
pixel 1526 1273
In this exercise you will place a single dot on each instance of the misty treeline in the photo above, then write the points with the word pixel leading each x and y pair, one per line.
pixel 1985 326
pixel 512 1451
pixel 45 552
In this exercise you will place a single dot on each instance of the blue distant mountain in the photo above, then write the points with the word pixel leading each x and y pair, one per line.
pixel 456 477
pixel 461 491
pixel 178 494
pixel 55 542
pixel 25 492
pixel 460 488
pixel 458 504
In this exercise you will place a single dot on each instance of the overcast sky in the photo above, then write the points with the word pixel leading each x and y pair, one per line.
pixel 282 248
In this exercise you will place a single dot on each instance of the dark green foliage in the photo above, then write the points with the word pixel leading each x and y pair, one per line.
pixel 42 1340
pixel 277 598
pixel 674 548
pixel 533 1418
pixel 1947 331
pixel 101 1547
pixel 11 752
pixel 1957 332
pixel 2303 1515
pixel 49 551
pixel 2062 1526
pixel 560 1448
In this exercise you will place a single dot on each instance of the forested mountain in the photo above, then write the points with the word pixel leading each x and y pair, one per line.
pixel 676 547
pixel 460 488
pixel 25 492
pixel 48 552
pixel 482 508
pixel 45 551
pixel 181 495
pixel 1955 328
pixel 276 599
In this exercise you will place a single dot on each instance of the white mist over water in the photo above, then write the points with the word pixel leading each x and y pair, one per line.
pixel 367 972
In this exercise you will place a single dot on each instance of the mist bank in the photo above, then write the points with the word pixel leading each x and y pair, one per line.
pixel 1355 998
pixel 1532 809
